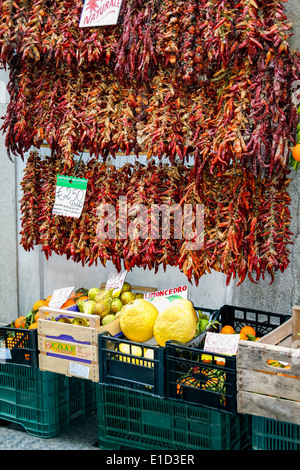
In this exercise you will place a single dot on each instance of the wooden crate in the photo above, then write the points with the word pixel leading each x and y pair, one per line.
pixel 265 390
pixel 135 288
pixel 70 349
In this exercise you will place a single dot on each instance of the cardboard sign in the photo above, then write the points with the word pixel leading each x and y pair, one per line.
pixel 69 196
pixel 100 13
pixel 163 298
pixel 221 344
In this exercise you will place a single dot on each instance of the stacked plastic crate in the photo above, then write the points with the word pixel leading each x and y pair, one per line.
pixel 162 401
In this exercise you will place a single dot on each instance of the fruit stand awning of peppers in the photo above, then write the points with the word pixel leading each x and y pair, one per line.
pixel 203 83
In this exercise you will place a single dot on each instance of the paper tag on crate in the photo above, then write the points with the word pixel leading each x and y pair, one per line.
pixel 5 354
pixel 60 296
pixel 221 344
pixel 69 196
pixel 116 281
pixel 80 370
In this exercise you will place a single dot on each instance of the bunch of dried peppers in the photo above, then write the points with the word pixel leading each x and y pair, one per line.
pixel 205 81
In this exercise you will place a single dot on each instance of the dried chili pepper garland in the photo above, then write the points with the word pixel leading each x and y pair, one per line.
pixel 208 79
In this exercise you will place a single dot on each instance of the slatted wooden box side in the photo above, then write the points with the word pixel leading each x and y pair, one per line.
pixel 71 349
pixel 264 390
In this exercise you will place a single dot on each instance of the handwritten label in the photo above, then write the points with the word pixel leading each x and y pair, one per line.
pixel 60 296
pixel 116 281
pixel 69 196
pixel 79 369
pixel 100 13
pixel 222 344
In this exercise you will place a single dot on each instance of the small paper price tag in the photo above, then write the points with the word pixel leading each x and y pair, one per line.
pixel 116 281
pixel 60 296
pixel 69 196
pixel 222 344
pixel 5 354
pixel 79 369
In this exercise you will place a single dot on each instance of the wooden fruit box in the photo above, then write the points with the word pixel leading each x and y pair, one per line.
pixel 263 388
pixel 71 349
pixel 135 288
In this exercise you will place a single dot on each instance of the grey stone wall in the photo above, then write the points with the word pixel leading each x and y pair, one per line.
pixel 27 277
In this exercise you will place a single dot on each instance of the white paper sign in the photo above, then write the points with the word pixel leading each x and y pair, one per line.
pixel 116 281
pixel 100 13
pixel 69 196
pixel 79 369
pixel 161 299
pixel 221 344
pixel 60 296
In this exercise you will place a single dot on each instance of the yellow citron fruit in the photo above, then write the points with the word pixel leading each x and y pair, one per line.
pixel 132 350
pixel 178 322
pixel 137 320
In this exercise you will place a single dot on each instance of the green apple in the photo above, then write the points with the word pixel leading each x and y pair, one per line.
pixel 116 305
pixel 64 320
pixel 108 318
pixel 139 295
pixel 102 308
pixel 127 297
pixel 88 307
pixel 126 287
pixel 104 294
pixel 80 321
pixel 80 305
pixel 93 292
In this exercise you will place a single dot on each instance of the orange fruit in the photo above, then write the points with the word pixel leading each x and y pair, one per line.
pixel 220 361
pixel 243 336
pixel 76 295
pixel 40 303
pixel 48 298
pixel 10 343
pixel 33 326
pixel 20 322
pixel 248 330
pixel 296 152
pixel 256 339
pixel 68 303
pixel 206 358
pixel 227 330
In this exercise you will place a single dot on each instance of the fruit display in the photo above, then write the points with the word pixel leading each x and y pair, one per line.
pixel 29 321
pixel 107 303
pixel 141 320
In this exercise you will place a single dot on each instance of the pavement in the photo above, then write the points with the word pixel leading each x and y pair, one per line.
pixel 82 435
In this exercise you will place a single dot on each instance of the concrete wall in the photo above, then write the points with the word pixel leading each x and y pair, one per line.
pixel 26 277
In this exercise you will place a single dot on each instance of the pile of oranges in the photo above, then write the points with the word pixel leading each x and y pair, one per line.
pixel 246 333
pixel 30 320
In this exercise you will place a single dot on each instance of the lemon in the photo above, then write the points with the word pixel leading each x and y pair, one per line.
pixel 133 351
pixel 148 354
pixel 137 320
pixel 178 322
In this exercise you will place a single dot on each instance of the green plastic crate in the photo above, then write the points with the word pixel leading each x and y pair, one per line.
pixel 82 397
pixel 270 434
pixel 190 379
pixel 135 420
pixel 43 402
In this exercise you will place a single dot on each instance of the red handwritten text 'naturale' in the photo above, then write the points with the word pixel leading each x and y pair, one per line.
pixel 104 9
